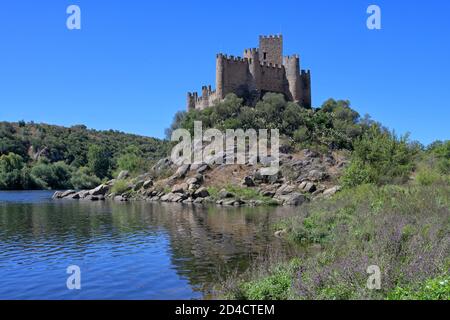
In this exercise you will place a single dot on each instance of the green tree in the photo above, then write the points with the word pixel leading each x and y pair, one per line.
pixel 99 161
pixel 380 157
pixel 11 174
pixel 131 160
pixel 82 179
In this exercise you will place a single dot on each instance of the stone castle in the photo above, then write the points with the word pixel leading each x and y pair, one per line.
pixel 261 70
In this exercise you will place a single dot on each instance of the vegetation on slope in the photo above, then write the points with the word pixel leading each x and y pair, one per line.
pixel 333 126
pixel 41 156
pixel 394 213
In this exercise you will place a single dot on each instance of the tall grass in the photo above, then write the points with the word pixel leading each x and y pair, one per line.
pixel 405 230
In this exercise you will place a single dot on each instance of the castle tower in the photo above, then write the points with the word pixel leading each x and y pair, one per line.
pixel 292 66
pixel 271 49
pixel 254 64
pixel 220 76
pixel 305 100
pixel 191 100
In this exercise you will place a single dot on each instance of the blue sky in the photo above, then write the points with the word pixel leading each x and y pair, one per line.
pixel 133 61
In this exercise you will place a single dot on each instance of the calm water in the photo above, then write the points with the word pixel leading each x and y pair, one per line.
pixel 125 250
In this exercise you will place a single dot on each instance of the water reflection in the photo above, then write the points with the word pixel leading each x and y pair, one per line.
pixel 126 250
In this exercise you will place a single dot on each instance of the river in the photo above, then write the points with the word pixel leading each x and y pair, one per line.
pixel 135 250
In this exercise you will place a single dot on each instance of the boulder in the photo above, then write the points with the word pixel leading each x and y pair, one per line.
pixel 317 175
pixel 123 175
pixel 83 194
pixel 267 193
pixel 331 191
pixel 201 193
pixel 280 233
pixel 67 193
pixel 138 185
pixel 182 171
pixel 173 197
pixel 57 195
pixel 101 190
pixel 202 169
pixel 310 187
pixel 230 202
pixel 180 188
pixel 162 164
pixel 120 199
pixel 293 199
pixel 285 189
pixel 248 182
pixel 148 184
pixel 75 196
pixel 224 194
pixel 193 180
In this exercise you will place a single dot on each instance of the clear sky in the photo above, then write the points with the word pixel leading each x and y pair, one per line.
pixel 133 61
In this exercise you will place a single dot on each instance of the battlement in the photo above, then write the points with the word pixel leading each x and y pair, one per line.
pixel 272 36
pixel 305 72
pixel 260 70
pixel 251 51
pixel 232 58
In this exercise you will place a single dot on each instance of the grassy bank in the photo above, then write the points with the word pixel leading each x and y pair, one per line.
pixel 405 230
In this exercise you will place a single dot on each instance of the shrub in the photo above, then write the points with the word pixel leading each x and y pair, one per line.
pixel 99 161
pixel 275 284
pixel 427 177
pixel 13 173
pixel 52 176
pixel 131 160
pixel 120 187
pixel 82 179
pixel 433 289
pixel 380 157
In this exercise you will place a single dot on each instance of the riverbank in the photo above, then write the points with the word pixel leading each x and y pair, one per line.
pixel 403 230
pixel 302 176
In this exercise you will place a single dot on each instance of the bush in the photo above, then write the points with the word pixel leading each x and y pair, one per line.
pixel 131 160
pixel 82 179
pixel 379 157
pixel 13 173
pixel 432 289
pixel 441 151
pixel 120 187
pixel 276 284
pixel 427 177
pixel 99 161
pixel 52 176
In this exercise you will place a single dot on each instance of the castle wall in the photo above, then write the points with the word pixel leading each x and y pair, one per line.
pixel 273 78
pixel 235 76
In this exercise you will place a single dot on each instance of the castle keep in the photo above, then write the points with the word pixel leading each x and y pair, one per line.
pixel 261 70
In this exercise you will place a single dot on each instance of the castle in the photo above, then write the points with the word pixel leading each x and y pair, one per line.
pixel 261 70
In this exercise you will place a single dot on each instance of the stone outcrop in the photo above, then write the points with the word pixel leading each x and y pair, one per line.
pixel 300 179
